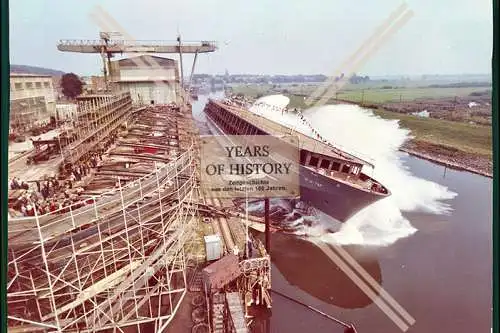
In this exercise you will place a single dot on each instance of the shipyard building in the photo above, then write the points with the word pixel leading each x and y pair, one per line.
pixel 149 79
pixel 32 100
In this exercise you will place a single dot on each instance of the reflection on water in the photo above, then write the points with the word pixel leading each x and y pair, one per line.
pixel 425 273
pixel 305 266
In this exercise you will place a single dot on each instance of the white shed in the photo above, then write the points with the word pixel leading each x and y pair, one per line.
pixel 213 247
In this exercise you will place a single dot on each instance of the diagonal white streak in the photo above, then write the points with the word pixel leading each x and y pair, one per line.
pixel 363 286
pixel 374 284
pixel 370 52
pixel 380 29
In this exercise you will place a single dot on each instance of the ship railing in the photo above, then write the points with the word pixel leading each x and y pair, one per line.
pixel 144 184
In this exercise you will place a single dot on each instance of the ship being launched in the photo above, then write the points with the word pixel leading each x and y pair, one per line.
pixel 331 179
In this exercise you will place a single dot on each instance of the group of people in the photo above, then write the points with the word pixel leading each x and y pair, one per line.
pixel 17 184
pixel 42 199
pixel 50 195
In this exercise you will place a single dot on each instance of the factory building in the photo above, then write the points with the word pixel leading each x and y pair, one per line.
pixel 149 79
pixel 32 100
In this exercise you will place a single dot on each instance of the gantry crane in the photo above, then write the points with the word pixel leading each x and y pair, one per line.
pixel 107 47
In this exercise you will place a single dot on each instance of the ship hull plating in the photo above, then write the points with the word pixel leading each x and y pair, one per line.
pixel 339 200
pixel 334 198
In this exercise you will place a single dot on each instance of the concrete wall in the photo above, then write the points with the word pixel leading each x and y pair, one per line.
pixel 145 92
pixel 147 74
pixel 33 99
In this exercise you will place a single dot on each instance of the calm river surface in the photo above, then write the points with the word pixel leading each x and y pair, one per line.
pixel 441 275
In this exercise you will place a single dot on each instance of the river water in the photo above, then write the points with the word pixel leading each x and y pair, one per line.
pixel 440 273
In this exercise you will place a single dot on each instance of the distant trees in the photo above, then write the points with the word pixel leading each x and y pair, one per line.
pixel 355 79
pixel 480 93
pixel 71 85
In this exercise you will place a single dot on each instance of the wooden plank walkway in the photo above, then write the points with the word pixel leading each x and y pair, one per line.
pixel 236 312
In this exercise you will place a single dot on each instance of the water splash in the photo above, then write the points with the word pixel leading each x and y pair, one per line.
pixel 359 130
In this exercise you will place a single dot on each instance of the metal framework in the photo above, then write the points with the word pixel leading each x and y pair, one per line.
pixel 117 261
pixel 108 45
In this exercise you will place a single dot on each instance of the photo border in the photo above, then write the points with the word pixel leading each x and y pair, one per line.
pixel 4 138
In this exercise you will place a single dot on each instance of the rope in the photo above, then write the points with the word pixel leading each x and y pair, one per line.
pixel 338 321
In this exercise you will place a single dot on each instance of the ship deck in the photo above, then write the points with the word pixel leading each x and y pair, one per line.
pixel 276 129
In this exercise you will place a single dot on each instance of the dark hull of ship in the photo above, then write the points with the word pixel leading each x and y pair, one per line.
pixel 335 198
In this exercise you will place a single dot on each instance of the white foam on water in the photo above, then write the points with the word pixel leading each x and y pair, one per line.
pixel 359 130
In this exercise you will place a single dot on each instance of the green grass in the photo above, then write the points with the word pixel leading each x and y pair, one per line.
pixel 403 94
pixel 359 93
pixel 476 139
pixel 252 90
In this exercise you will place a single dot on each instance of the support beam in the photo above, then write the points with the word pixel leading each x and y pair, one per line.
pixel 180 61
pixel 192 70
pixel 266 220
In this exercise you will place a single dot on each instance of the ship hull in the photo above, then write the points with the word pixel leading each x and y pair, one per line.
pixel 334 198
pixel 337 199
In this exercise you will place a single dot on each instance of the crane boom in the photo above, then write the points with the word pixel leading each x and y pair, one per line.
pixel 125 46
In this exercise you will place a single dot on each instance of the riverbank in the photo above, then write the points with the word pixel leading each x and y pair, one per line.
pixel 450 158
pixel 456 145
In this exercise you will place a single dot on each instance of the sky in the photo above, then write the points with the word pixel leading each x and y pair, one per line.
pixel 267 36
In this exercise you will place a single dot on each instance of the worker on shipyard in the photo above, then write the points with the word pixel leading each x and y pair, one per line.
pixel 23 209
pixel 249 249
pixel 52 206
pixel 14 185
pixel 30 211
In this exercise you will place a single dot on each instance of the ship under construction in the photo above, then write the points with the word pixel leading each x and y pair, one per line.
pixel 118 248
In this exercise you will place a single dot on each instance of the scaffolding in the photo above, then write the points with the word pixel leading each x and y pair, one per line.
pixel 112 263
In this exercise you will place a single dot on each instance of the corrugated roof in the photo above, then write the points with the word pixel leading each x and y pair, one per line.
pixel 222 272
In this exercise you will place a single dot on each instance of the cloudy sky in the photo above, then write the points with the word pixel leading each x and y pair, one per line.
pixel 267 36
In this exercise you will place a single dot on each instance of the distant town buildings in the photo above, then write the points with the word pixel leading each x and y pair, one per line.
pixel 149 79
pixel 32 100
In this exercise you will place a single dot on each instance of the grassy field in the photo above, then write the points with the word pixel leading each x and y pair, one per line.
pixel 356 93
pixel 403 94
pixel 252 90
pixel 379 95
pixel 475 139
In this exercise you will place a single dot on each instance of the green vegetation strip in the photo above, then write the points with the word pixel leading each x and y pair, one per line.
pixel 469 138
